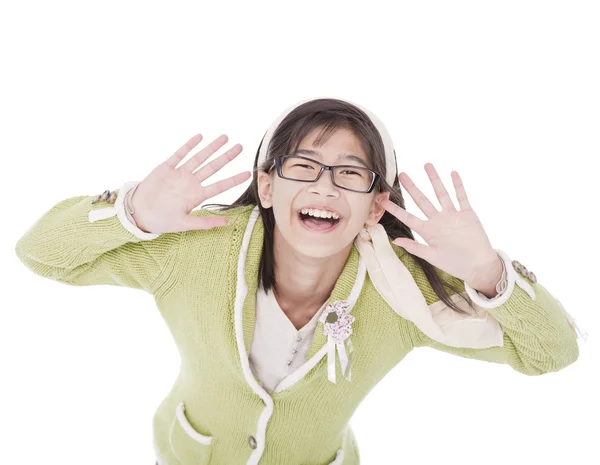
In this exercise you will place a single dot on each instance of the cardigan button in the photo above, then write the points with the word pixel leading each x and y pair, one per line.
pixel 107 196
pixel 532 277
pixel 252 442
pixel 523 271
pixel 517 266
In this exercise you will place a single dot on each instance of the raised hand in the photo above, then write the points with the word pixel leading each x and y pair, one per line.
pixel 164 199
pixel 457 242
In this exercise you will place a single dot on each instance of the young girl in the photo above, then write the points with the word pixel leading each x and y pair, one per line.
pixel 291 304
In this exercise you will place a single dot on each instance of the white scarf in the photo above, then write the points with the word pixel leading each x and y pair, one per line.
pixel 396 285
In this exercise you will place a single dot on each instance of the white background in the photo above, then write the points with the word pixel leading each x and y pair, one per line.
pixel 96 94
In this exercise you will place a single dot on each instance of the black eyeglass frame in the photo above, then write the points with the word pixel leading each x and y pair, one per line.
pixel 279 164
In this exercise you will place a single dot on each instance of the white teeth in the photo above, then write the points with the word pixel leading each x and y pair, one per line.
pixel 320 213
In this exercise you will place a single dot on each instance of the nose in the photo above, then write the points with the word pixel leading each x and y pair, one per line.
pixel 324 185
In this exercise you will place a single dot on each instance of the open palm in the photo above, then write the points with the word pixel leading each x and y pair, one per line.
pixel 457 241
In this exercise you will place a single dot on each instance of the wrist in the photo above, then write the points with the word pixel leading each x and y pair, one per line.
pixel 128 203
pixel 490 280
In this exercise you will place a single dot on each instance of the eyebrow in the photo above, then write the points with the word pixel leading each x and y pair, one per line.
pixel 347 156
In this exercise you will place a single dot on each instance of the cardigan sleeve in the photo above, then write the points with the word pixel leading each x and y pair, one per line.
pixel 81 243
pixel 538 336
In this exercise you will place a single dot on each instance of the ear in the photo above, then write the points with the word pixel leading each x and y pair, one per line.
pixel 265 189
pixel 377 210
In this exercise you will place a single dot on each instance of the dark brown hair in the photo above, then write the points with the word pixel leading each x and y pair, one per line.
pixel 331 114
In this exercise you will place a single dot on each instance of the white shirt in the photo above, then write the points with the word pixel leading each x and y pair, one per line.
pixel 278 348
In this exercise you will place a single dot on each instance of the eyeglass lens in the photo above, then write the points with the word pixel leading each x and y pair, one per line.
pixel 350 177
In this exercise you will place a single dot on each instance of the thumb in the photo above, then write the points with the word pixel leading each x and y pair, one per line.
pixel 412 246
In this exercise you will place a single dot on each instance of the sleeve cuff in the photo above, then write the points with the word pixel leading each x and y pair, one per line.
pixel 515 273
pixel 505 287
pixel 119 210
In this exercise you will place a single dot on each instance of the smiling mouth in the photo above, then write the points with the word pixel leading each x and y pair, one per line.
pixel 317 223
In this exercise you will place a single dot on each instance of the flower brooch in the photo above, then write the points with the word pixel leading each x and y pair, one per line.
pixel 337 321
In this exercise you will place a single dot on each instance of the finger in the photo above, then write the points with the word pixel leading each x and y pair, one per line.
pixel 220 186
pixel 438 187
pixel 410 220
pixel 423 251
pixel 420 199
pixel 183 150
pixel 196 160
pixel 211 168
pixel 461 194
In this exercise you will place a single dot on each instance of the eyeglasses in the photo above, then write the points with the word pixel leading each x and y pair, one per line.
pixel 304 169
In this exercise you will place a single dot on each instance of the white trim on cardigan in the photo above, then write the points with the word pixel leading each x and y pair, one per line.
pixel 119 210
pixel 512 277
pixel 189 429
pixel 240 295
pixel 298 374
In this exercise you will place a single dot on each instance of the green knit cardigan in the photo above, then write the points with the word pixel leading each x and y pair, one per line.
pixel 204 284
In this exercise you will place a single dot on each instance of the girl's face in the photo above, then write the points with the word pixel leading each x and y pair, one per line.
pixel 288 198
